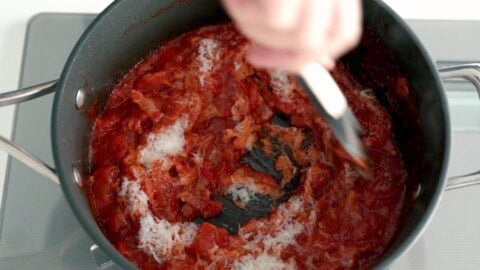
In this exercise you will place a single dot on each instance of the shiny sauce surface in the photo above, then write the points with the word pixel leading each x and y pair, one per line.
pixel 172 136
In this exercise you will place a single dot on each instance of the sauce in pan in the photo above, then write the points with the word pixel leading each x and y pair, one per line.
pixel 173 135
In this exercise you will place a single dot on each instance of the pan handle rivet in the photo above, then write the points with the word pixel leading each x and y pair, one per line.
pixel 77 176
pixel 80 98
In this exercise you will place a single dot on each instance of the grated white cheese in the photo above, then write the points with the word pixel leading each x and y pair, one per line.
pixel 168 142
pixel 284 237
pixel 137 199
pixel 275 240
pixel 250 141
pixel 281 85
pixel 207 54
pixel 240 129
pixel 294 206
pixel 236 65
pixel 242 193
pixel 157 237
pixel 198 158
pixel 263 261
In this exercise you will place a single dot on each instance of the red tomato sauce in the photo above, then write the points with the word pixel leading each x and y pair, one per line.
pixel 200 85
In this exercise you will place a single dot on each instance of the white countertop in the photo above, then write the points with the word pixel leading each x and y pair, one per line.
pixel 14 16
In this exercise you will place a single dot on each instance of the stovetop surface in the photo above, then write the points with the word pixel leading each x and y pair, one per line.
pixel 38 230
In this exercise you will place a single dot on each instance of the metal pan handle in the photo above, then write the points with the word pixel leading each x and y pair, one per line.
pixel 16 151
pixel 471 73
pixel 28 93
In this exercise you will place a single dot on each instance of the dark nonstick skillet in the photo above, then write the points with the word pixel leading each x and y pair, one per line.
pixel 129 29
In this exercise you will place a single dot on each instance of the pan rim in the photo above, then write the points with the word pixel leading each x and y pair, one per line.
pixel 422 224
pixel 384 262
pixel 63 175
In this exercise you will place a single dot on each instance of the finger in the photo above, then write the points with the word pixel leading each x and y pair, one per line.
pixel 307 37
pixel 263 57
pixel 274 14
pixel 281 14
pixel 272 38
pixel 348 31
pixel 285 60
pixel 244 11
pixel 313 27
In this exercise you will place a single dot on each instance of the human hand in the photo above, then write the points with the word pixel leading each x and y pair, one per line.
pixel 288 34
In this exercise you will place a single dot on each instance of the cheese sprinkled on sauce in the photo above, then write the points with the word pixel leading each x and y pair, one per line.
pixel 137 199
pixel 236 65
pixel 281 233
pixel 281 85
pixel 284 228
pixel 157 237
pixel 207 55
pixel 242 193
pixel 263 261
pixel 169 142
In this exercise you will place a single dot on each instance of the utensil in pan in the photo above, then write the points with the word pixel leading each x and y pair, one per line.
pixel 330 102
